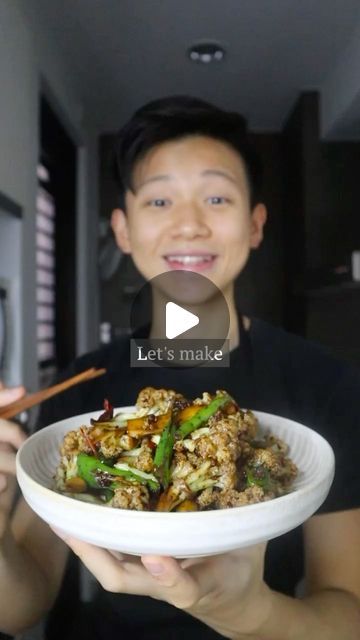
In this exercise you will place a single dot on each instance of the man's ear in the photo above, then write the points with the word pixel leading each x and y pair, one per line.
pixel 258 219
pixel 119 225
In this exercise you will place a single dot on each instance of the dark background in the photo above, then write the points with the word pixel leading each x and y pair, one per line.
pixel 293 280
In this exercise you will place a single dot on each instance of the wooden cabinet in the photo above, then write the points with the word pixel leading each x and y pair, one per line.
pixel 321 229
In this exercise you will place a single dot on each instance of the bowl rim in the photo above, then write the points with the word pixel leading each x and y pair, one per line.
pixel 328 457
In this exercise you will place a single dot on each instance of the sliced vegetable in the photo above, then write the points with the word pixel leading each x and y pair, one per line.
pixel 148 425
pixel 187 505
pixel 163 453
pixel 198 480
pixel 101 496
pixel 117 421
pixel 106 415
pixel 161 447
pixel 99 475
pixel 170 499
pixel 89 441
pixel 76 484
pixel 114 439
pixel 203 415
pixel 187 413
pixel 259 476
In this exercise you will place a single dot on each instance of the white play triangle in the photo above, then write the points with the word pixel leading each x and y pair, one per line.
pixel 178 320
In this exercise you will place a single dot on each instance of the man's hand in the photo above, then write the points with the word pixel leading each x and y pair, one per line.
pixel 11 438
pixel 216 589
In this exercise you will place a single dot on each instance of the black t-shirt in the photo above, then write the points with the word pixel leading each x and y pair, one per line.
pixel 271 371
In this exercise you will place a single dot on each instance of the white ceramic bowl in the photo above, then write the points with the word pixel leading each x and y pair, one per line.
pixel 177 534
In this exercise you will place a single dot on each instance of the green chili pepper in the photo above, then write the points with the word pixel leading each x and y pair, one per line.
pixel 88 466
pixel 259 477
pixel 106 495
pixel 163 453
pixel 202 415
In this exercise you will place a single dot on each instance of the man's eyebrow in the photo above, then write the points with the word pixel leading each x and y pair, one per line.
pixel 159 178
pixel 165 177
pixel 221 173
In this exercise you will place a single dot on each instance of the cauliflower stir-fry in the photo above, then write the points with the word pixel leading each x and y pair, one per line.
pixel 174 454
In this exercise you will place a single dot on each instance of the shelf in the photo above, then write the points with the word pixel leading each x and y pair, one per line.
pixel 332 289
pixel 9 206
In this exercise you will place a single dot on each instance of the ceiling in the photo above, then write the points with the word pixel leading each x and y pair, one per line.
pixel 126 52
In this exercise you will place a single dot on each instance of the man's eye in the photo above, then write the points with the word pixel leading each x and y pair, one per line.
pixel 218 200
pixel 158 202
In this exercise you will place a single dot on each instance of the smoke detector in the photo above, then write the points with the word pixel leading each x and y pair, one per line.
pixel 206 52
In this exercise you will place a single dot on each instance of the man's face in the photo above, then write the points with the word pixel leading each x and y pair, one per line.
pixel 190 210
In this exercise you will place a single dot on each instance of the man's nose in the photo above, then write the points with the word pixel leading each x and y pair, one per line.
pixel 190 222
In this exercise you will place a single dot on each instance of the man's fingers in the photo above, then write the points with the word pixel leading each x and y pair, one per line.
pixel 193 582
pixel 7 462
pixel 102 564
pixel 175 585
pixel 7 396
pixel 107 569
pixel 159 577
pixel 189 562
pixel 3 482
pixel 11 433
pixel 7 496
pixel 130 576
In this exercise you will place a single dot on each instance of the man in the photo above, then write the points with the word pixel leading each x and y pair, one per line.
pixel 188 199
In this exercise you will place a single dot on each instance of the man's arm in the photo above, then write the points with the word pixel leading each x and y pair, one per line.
pixel 330 609
pixel 227 592
pixel 32 562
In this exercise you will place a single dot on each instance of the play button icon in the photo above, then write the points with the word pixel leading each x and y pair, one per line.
pixel 178 320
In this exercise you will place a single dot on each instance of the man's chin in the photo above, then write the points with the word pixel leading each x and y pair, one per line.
pixel 186 287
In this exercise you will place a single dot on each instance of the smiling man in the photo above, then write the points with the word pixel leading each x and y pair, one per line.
pixel 189 200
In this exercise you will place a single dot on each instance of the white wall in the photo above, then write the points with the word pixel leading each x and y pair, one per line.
pixel 29 62
pixel 10 279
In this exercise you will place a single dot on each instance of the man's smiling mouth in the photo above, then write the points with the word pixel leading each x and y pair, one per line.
pixel 190 261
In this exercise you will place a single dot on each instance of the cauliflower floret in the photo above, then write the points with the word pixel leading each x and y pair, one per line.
pixel 114 441
pixel 159 399
pixel 181 467
pixel 188 444
pixel 276 444
pixel 74 442
pixel 238 424
pixel 251 423
pixel 194 459
pixel 205 399
pixel 225 475
pixel 276 464
pixel 144 460
pixel 66 469
pixel 221 442
pixel 205 448
pixel 206 498
pixel 131 496
pixel 266 458
pixel 233 498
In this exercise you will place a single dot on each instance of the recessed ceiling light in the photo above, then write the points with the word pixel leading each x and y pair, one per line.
pixel 206 52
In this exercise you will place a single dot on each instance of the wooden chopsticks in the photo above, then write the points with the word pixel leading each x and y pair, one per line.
pixel 11 410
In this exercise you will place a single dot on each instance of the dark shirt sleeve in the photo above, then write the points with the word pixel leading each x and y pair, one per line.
pixel 73 401
pixel 54 409
pixel 86 396
pixel 341 427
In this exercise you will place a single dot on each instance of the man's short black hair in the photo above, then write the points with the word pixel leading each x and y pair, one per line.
pixel 177 117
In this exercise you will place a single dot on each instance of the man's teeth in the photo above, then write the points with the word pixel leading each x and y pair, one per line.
pixel 189 259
